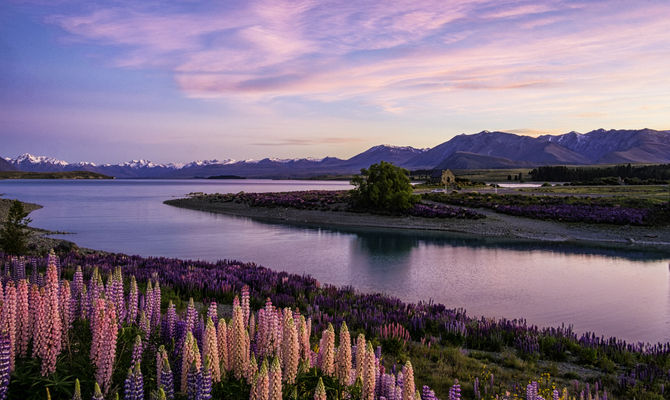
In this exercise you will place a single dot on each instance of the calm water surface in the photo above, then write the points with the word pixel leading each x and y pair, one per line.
pixel 608 292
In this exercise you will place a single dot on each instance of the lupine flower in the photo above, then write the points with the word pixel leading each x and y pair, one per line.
pixel 210 350
pixel 290 349
pixel 455 392
pixel 213 312
pixel 245 305
pixel 65 302
pixel 360 355
pixel 240 350
pixel 166 379
pixel 343 357
pixel 108 348
pixel 320 391
pixel 5 354
pixel 369 374
pixel 252 369
pixel 52 323
pixel 205 384
pixel 171 321
pixel 262 386
pixel 190 357
pixel 156 307
pixel 137 352
pixel 327 351
pixel 134 384
pixel 23 328
pixel 193 382
pixel 222 344
pixel 8 319
pixel 303 337
pixel 97 393
pixel 132 301
pixel 408 387
pixel 36 298
pixel 77 389
pixel 191 315
pixel 275 380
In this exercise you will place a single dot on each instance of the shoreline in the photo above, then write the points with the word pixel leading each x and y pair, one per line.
pixel 495 226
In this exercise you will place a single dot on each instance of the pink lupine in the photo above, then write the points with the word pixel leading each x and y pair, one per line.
pixel 408 387
pixel 132 301
pixel 303 338
pixel 360 355
pixel 327 351
pixel 37 316
pixel 245 305
pixel 369 374
pixel 320 391
pixel 210 349
pixel 290 348
pixel 8 316
pixel 23 328
pixel 222 344
pixel 275 381
pixel 262 384
pixel 252 325
pixel 64 300
pixel 238 343
pixel 252 369
pixel 343 356
pixel 52 323
pixel 77 282
pixel 108 335
pixel 190 356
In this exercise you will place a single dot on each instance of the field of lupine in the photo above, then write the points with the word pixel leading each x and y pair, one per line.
pixel 65 331
pixel 610 210
pixel 326 200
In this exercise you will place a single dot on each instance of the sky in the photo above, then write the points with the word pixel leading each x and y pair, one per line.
pixel 168 81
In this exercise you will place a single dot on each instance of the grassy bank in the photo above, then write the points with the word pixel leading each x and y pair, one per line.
pixel 52 175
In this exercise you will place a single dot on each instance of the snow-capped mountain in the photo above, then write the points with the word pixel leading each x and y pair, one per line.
pixel 481 150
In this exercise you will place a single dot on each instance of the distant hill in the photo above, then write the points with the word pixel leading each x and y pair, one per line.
pixel 465 160
pixel 6 166
pixel 483 150
pixel 53 175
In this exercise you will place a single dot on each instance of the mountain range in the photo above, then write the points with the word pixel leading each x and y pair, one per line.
pixel 483 150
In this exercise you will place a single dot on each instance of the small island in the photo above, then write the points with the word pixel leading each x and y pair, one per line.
pixel 594 220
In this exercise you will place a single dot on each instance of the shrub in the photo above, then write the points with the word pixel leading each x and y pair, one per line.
pixel 383 187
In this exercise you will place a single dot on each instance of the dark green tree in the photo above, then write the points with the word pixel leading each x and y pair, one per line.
pixel 14 235
pixel 383 187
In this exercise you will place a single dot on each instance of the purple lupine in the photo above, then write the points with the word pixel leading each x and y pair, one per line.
pixel 205 383
pixel 192 382
pixel 171 321
pixel 156 307
pixel 137 352
pixel 134 385
pixel 212 312
pixel 455 392
pixel 167 379
pixel 5 350
pixel 427 393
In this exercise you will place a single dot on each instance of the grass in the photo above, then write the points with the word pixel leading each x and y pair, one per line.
pixel 658 194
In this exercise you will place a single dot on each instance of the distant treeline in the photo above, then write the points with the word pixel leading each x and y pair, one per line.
pixel 643 174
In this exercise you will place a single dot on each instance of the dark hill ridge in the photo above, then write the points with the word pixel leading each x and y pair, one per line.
pixel 478 151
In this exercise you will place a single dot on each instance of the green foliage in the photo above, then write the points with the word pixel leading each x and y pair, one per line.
pixel 14 235
pixel 383 187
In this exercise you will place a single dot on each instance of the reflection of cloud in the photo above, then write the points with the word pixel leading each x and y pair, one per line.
pixel 390 53
pixel 309 142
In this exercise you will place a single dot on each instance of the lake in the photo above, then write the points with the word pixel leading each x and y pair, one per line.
pixel 609 292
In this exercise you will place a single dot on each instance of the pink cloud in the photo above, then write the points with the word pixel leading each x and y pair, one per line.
pixel 390 53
